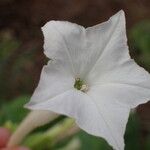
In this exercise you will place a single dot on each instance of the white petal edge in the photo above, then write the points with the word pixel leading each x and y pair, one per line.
pixel 55 79
pixel 114 115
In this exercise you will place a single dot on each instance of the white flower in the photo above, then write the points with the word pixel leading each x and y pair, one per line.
pixel 91 77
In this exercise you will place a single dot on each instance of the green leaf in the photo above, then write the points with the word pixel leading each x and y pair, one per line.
pixel 140 36
pixel 132 134
pixel 92 143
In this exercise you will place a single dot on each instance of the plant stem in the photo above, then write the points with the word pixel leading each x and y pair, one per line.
pixel 33 120
pixel 46 140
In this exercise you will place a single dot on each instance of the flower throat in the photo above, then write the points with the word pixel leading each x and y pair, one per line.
pixel 80 85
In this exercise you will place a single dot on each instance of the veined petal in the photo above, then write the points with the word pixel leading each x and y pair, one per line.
pixel 80 106
pixel 114 115
pixel 54 80
pixel 115 65
pixel 127 95
pixel 109 40
pixel 65 41
pixel 79 47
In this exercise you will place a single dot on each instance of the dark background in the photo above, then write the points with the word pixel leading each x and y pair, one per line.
pixel 21 39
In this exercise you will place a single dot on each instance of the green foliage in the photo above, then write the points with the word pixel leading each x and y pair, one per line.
pixel 140 36
pixel 45 140
pixel 13 111
pixel 132 135
pixel 93 143
pixel 147 146
pixel 7 46
pixel 140 41
pixel 38 141
pixel 74 144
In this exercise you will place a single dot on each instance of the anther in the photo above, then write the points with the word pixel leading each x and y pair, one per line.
pixel 84 88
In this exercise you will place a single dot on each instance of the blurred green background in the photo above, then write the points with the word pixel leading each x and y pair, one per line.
pixel 21 60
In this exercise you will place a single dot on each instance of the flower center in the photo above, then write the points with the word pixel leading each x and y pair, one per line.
pixel 80 85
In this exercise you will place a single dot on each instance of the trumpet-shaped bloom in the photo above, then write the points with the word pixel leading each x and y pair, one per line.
pixel 91 77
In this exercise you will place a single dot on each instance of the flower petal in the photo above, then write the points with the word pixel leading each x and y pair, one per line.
pixel 80 47
pixel 129 83
pixel 115 116
pixel 115 66
pixel 65 41
pixel 54 80
pixel 80 106
pixel 109 40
